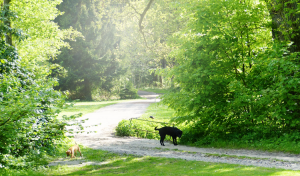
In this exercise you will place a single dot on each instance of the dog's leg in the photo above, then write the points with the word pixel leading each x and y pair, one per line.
pixel 79 151
pixel 175 140
pixel 72 154
pixel 162 138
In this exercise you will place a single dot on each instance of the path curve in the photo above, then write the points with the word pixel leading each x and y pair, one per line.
pixel 105 139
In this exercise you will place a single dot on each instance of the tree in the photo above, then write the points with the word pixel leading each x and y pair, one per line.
pixel 43 36
pixel 232 77
pixel 28 103
pixel 146 28
pixel 285 21
pixel 92 62
pixel 6 4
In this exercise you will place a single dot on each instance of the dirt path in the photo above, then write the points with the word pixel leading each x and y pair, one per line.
pixel 105 139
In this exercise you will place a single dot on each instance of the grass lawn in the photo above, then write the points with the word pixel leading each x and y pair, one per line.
pixel 107 163
pixel 155 90
pixel 86 107
pixel 159 111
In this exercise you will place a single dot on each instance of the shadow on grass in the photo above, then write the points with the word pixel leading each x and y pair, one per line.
pixel 107 163
pixel 97 162
pixel 162 166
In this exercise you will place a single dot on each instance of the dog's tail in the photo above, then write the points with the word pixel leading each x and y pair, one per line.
pixel 156 128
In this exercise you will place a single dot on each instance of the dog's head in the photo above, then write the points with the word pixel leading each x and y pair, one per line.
pixel 68 152
pixel 179 133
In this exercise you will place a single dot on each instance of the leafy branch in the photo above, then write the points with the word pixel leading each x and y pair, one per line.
pixel 142 16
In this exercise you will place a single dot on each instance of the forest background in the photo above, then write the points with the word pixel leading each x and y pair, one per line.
pixel 232 67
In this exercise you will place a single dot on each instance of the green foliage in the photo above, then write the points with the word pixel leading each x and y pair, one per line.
pixel 231 77
pixel 124 128
pixel 28 105
pixel 156 90
pixel 92 63
pixel 196 133
pixel 44 38
pixel 273 141
pixel 129 92
pixel 144 126
pixel 285 21
pixel 145 50
pixel 137 128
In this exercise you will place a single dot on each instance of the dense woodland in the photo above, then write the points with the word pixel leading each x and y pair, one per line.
pixel 232 66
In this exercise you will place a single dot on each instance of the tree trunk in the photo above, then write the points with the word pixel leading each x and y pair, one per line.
pixel 163 65
pixel 87 91
pixel 7 22
pixel 285 26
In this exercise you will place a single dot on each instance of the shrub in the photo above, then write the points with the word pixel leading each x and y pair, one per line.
pixel 124 129
pixel 138 128
pixel 129 92
pixel 28 109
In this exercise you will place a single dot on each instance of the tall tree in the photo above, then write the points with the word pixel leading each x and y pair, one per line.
pixel 92 62
pixel 285 21
pixel 28 103
pixel 147 27
pixel 232 76
pixel 6 4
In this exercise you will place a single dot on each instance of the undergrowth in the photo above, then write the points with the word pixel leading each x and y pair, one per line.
pixel 194 135
pixel 143 127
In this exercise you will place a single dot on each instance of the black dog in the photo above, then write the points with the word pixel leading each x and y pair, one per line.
pixel 172 131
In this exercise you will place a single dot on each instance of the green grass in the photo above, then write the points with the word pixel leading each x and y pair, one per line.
pixel 144 126
pixel 107 163
pixel 270 145
pixel 156 90
pixel 160 112
pixel 86 107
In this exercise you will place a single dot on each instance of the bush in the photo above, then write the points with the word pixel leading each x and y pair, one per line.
pixel 137 128
pixel 232 93
pixel 28 109
pixel 124 129
pixel 129 92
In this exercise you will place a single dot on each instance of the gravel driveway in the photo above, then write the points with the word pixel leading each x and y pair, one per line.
pixel 105 139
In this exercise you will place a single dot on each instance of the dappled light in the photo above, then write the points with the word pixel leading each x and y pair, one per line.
pixel 221 77
pixel 128 165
